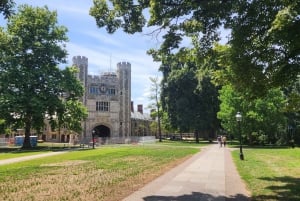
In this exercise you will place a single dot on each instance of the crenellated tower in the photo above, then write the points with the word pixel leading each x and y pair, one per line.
pixel 124 75
pixel 81 63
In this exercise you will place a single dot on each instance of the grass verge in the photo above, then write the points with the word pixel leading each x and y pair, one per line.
pixel 109 173
pixel 271 174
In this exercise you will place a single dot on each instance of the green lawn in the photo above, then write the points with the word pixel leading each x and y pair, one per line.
pixel 14 152
pixel 106 173
pixel 271 174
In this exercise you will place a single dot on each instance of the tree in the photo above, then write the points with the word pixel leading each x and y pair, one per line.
pixel 155 96
pixel 188 96
pixel 6 7
pixel 32 86
pixel 264 37
pixel 263 119
pixel 292 110
pixel 265 45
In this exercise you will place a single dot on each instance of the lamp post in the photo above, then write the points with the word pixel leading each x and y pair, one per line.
pixel 238 117
pixel 93 138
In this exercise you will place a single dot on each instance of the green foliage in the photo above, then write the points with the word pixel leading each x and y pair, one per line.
pixel 263 118
pixel 189 98
pixel 31 84
pixel 264 41
pixel 6 7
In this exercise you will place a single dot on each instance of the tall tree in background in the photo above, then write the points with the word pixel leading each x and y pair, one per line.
pixel 188 96
pixel 32 86
pixel 155 96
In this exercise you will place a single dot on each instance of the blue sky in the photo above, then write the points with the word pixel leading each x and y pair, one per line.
pixel 104 50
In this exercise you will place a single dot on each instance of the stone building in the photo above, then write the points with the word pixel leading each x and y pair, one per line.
pixel 140 122
pixel 107 98
pixel 111 116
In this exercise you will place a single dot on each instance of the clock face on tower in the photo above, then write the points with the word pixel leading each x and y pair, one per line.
pixel 102 88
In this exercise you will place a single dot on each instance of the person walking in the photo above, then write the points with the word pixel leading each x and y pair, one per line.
pixel 220 140
pixel 224 140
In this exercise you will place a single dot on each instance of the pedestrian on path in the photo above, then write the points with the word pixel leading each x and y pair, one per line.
pixel 224 140
pixel 219 138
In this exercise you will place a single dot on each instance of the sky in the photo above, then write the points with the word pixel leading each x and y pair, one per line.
pixel 104 50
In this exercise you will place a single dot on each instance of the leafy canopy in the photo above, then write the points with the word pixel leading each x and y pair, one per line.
pixel 264 38
pixel 32 86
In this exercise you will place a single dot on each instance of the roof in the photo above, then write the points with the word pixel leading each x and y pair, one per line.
pixel 138 115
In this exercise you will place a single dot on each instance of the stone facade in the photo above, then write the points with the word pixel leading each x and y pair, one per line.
pixel 107 98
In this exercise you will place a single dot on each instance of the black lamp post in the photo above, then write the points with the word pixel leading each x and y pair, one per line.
pixel 238 117
pixel 93 138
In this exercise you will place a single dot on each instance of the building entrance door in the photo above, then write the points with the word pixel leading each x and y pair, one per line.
pixel 102 131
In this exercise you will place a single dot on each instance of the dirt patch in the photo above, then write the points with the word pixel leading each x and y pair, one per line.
pixel 65 163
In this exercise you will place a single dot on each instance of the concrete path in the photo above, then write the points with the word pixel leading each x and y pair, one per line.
pixel 26 158
pixel 207 176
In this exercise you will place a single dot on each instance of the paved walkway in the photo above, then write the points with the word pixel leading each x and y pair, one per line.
pixel 208 176
pixel 26 158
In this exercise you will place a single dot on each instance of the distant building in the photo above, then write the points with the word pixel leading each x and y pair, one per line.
pixel 140 122
pixel 108 100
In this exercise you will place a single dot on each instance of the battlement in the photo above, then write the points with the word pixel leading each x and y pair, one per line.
pixel 80 60
pixel 94 78
pixel 123 64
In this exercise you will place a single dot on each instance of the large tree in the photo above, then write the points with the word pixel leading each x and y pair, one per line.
pixel 32 86
pixel 264 40
pixel 188 96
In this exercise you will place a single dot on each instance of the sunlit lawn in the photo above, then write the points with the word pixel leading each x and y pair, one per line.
pixel 185 142
pixel 106 173
pixel 271 174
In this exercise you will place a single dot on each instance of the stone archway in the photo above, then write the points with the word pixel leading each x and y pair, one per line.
pixel 102 131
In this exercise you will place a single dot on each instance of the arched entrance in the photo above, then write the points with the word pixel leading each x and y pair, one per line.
pixel 102 131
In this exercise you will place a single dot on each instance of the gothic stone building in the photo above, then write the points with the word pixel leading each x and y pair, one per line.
pixel 108 100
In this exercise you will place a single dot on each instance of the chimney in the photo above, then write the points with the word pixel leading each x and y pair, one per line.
pixel 140 109
pixel 132 109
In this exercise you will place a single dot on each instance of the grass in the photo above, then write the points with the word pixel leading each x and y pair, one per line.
pixel 184 143
pixel 14 152
pixel 271 174
pixel 107 173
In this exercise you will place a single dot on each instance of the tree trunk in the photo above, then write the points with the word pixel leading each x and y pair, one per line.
pixel 26 143
pixel 197 136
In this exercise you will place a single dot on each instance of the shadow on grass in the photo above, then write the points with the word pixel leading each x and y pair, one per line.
pixel 261 147
pixel 287 190
pixel 196 196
